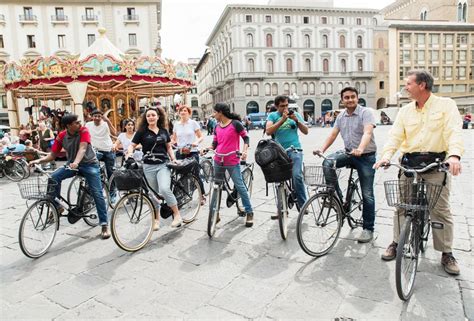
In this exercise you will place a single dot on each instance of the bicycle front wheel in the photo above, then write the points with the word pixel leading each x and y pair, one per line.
pixel 282 210
pixel 407 259
pixel 206 174
pixel 132 220
pixel 247 177
pixel 38 229
pixel 319 224
pixel 214 211
pixel 189 195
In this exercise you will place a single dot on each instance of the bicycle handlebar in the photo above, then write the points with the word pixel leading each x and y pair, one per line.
pixel 442 167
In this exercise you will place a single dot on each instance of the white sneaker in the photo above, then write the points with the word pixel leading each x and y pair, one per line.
pixel 177 222
pixel 156 225
pixel 365 236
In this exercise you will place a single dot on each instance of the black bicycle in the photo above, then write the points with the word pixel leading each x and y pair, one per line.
pixel 11 168
pixel 416 198
pixel 134 214
pixel 322 216
pixel 41 220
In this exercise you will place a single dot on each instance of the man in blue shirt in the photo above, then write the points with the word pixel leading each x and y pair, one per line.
pixel 284 125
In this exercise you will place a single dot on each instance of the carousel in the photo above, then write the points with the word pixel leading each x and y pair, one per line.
pixel 101 77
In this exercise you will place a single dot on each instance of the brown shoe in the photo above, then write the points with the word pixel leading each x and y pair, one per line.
pixel 450 264
pixel 390 252
pixel 105 232
pixel 249 220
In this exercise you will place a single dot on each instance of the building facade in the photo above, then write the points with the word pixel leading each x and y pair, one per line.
pixel 441 10
pixel 192 96
pixel 203 71
pixel 310 54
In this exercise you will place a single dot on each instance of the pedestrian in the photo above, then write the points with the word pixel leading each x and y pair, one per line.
pixel 25 133
pixel 466 121
pixel 124 139
pixel 356 125
pixel 46 137
pixel 430 127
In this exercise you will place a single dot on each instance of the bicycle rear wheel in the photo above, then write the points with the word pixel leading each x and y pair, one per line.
pixel 15 172
pixel 189 195
pixel 247 177
pixel 38 228
pixel 132 220
pixel 407 259
pixel 214 207
pixel 282 210
pixel 355 218
pixel 319 224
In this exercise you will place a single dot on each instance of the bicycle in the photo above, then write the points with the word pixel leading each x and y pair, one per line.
pixel 134 214
pixel 416 197
pixel 222 182
pixel 42 217
pixel 11 168
pixel 322 216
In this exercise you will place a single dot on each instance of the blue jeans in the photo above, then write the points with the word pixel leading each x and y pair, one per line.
pixel 109 160
pixel 236 176
pixel 91 173
pixel 158 177
pixel 366 173
pixel 298 179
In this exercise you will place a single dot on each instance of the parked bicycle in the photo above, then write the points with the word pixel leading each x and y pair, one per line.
pixel 223 182
pixel 11 168
pixel 40 222
pixel 322 216
pixel 134 214
pixel 416 197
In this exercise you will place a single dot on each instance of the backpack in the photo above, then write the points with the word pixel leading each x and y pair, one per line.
pixel 275 163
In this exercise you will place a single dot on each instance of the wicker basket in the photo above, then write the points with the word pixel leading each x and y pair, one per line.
pixel 37 188
pixel 128 179
pixel 417 196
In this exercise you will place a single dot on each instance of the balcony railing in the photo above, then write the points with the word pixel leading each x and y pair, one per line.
pixel 28 18
pixel 251 75
pixel 90 18
pixel 130 17
pixel 59 18
pixel 362 74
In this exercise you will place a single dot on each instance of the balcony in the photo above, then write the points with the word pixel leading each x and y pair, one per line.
pixel 2 19
pixel 90 19
pixel 309 75
pixel 229 78
pixel 362 74
pixel 220 84
pixel 212 89
pixel 251 75
pixel 131 18
pixel 28 19
pixel 59 19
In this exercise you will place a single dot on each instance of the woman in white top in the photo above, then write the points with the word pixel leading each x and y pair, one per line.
pixel 187 136
pixel 124 139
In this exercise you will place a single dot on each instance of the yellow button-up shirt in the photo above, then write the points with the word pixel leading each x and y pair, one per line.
pixel 437 127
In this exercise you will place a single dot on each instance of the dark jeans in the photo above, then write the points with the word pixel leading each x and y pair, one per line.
pixel 109 160
pixel 194 155
pixel 366 173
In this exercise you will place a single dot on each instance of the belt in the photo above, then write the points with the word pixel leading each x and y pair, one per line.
pixel 364 154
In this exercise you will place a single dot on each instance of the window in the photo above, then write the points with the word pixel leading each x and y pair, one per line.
pixel 249 40
pixel 448 56
pixel 434 40
pixel 462 12
pixel 132 39
pixel 130 12
pixel 448 39
pixel 274 89
pixel 462 54
pixel 323 88
pixel 248 18
pixel 342 41
pixel 448 72
pixel 61 41
pixel 329 88
pixel 420 39
pixel 363 88
pixel 325 65
pixel 289 65
pixel 248 90
pixel 286 88
pixel 381 85
pixel 194 101
pixel 405 39
pixel 359 41
pixel 268 19
pixel 269 40
pixel 89 13
pixel 270 65
pixel 325 41
pixel 312 88
pixel 423 15
pixel 268 90
pixel 293 88
pixel 461 40
pixel 360 65
pixel 90 39
pixel 343 65
pixel 434 55
pixel 288 40
pixel 307 65
pixel 381 67
pixel 461 72
pixel 251 65
pixel 59 13
pixel 255 89
pixel 339 87
pixel 380 43
pixel 31 41
pixel 2 44
pixel 341 21
pixel 305 20
pixel 28 12
pixel 358 21
pixel 305 88
pixel 307 41
pixel 324 20
pixel 287 19
pixel 420 56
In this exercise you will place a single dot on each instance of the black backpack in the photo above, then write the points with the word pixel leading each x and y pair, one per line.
pixel 274 161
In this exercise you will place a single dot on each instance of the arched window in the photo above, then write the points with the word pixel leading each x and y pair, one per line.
pixel 380 43
pixel 307 64
pixel 270 65
pixel 462 12
pixel 312 88
pixel 423 15
pixel 249 40
pixel 286 88
pixel 357 86
pixel 251 65
pixel 274 89
pixel 359 41
pixel 255 89
pixel 194 102
pixel 329 88
pixel 325 65
pixel 363 88
pixel 307 41
pixel 325 43
pixel 381 66
pixel 323 88
pixel 343 65
pixel 289 65
pixel 305 88
pixel 342 41
pixel 294 90
pixel 269 40
pixel 288 40
pixel 347 84
pixel 339 87
pixel 248 90
pixel 268 89
pixel 252 107
pixel 360 65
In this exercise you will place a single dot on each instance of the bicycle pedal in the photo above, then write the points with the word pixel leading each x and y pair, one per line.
pixel 93 216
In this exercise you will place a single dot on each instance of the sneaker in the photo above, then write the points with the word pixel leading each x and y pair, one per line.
pixel 390 252
pixel 450 264
pixel 104 234
pixel 177 222
pixel 156 225
pixel 365 236
pixel 249 220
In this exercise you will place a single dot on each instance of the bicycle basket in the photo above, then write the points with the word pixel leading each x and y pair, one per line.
pixel 183 166
pixel 37 188
pixel 316 175
pixel 128 179
pixel 417 196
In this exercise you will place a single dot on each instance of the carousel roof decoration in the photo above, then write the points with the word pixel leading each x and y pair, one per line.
pixel 103 67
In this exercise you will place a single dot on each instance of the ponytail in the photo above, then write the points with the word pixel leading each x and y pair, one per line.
pixel 225 110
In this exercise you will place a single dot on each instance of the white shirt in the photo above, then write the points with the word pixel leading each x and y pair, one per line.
pixel 122 137
pixel 186 133
pixel 100 136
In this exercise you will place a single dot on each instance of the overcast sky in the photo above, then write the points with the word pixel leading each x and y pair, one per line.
pixel 188 23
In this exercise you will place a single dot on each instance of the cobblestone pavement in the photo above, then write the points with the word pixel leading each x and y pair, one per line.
pixel 242 273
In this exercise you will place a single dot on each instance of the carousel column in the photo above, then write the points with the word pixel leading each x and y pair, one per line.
pixel 13 116
pixel 115 112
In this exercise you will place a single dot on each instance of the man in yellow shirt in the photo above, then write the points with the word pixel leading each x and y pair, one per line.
pixel 429 124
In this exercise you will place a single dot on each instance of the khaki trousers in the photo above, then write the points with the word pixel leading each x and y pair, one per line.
pixel 441 216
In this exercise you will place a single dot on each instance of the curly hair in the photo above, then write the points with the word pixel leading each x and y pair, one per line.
pixel 143 124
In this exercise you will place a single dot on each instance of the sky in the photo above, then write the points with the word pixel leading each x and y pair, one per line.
pixel 186 24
